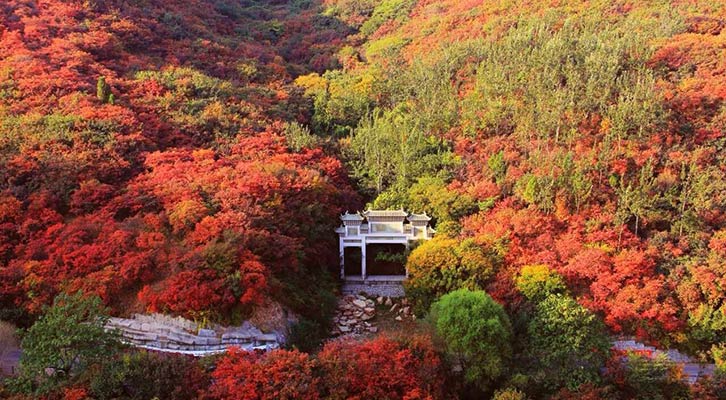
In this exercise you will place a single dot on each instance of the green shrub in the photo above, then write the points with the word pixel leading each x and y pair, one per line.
pixel 142 375
pixel 305 335
pixel 67 341
pixel 385 11
pixel 477 333
pixel 103 90
pixel 299 137
pixel 509 394
pixel 654 378
pixel 568 343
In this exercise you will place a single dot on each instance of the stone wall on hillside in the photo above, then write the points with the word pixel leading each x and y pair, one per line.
pixel 178 335
pixel 374 286
pixel 692 369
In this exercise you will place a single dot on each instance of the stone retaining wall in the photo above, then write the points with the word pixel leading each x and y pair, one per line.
pixel 692 369
pixel 374 288
pixel 179 335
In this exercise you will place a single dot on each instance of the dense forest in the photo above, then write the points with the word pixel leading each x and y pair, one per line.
pixel 192 157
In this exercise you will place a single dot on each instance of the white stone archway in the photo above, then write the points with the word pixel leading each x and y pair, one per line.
pixel 380 227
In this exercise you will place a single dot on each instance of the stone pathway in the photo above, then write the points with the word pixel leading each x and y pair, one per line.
pixel 357 314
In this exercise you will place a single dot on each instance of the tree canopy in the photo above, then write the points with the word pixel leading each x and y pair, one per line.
pixel 476 331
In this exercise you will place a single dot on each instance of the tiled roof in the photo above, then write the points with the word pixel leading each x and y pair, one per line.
pixel 385 213
pixel 419 217
pixel 351 217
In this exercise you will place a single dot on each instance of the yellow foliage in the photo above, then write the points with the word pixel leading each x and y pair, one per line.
pixel 313 83
pixel 185 214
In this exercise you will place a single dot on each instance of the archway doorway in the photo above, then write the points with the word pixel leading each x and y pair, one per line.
pixel 352 257
pixel 386 259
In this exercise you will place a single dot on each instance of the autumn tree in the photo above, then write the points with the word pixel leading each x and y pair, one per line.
pixel 382 368
pixel 442 265
pixel 279 374
pixel 537 282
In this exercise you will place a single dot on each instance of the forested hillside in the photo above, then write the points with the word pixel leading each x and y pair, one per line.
pixel 192 157
pixel 152 154
pixel 584 136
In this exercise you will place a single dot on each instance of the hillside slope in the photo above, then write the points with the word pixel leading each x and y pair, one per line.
pixel 160 154
pixel 152 154
pixel 585 136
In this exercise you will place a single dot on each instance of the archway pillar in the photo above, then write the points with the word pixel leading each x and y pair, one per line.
pixel 363 258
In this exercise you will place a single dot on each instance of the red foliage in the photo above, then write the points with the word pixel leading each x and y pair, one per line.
pixel 621 284
pixel 377 368
pixel 278 374
pixel 113 198
pixel 382 368
pixel 75 394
